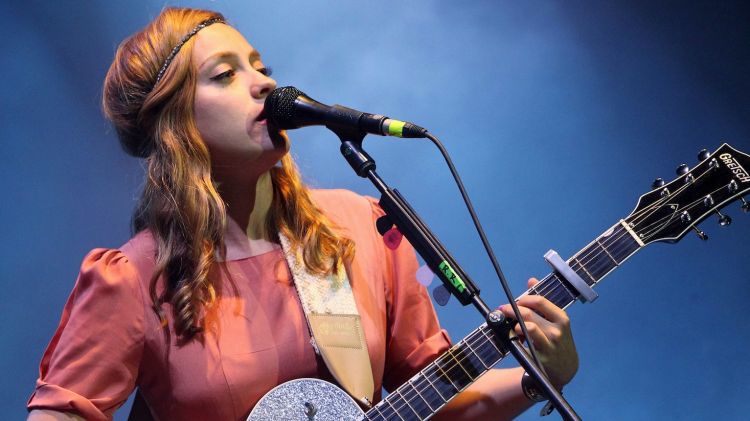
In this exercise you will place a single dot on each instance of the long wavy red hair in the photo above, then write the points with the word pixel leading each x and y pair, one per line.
pixel 180 203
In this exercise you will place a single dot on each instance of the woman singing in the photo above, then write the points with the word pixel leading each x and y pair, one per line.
pixel 199 310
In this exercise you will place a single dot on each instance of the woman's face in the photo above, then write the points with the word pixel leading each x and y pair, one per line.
pixel 231 87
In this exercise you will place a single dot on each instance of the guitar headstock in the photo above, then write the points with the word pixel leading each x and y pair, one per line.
pixel 672 209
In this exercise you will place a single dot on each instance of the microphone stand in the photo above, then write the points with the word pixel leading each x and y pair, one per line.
pixel 400 213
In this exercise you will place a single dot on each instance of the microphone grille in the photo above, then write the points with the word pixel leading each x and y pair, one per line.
pixel 279 106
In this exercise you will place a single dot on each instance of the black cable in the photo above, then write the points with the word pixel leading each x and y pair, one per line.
pixel 487 247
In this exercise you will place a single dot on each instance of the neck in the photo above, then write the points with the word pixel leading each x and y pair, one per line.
pixel 248 205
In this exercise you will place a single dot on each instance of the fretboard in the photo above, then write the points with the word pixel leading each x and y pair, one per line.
pixel 430 389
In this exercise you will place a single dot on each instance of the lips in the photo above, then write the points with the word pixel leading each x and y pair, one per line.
pixel 261 116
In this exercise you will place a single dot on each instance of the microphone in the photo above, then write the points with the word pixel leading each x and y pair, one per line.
pixel 290 108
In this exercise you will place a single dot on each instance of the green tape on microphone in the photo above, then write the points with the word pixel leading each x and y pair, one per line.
pixel 396 128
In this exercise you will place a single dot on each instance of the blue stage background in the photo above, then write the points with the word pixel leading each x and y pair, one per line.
pixel 557 114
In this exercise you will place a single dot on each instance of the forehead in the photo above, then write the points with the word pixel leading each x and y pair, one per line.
pixel 219 38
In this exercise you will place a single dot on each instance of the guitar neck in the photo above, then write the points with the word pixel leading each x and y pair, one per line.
pixel 452 372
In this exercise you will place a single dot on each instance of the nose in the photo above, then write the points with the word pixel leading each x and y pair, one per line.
pixel 262 87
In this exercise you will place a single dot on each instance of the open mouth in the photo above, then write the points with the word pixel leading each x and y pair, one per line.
pixel 261 116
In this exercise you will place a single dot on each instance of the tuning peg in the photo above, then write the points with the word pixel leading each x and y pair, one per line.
pixel 703 155
pixel 682 169
pixel 732 187
pixel 702 235
pixel 658 182
pixel 724 220
pixel 745 205
pixel 708 201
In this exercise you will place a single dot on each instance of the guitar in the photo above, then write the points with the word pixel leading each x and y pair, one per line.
pixel 665 214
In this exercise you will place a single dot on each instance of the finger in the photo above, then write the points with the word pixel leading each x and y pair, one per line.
pixel 536 333
pixel 532 281
pixel 527 314
pixel 545 308
pixel 547 329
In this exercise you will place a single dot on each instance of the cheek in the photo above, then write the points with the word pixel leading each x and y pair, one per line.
pixel 219 120
pixel 207 118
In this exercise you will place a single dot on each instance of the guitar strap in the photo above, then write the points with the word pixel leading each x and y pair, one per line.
pixel 335 326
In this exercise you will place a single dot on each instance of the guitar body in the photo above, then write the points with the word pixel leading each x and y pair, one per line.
pixel 304 400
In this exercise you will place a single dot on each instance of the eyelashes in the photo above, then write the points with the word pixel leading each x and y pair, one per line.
pixel 223 76
pixel 229 74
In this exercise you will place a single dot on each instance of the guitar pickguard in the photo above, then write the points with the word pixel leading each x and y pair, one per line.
pixel 306 400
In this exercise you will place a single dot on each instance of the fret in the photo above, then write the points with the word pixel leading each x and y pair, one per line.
pixel 495 341
pixel 388 410
pixel 432 384
pixel 413 401
pixel 487 336
pixel 371 413
pixel 626 245
pixel 475 362
pixel 487 348
pixel 585 272
pixel 454 369
pixel 556 290
pixel 452 372
pixel 603 254
pixel 401 408
pixel 598 261
pixel 564 292
pixel 488 353
pixel 607 251
pixel 468 345
pixel 444 375
pixel 427 402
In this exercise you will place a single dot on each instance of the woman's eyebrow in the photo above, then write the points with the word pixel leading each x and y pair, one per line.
pixel 228 55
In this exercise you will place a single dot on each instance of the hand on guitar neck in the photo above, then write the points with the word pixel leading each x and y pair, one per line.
pixel 549 328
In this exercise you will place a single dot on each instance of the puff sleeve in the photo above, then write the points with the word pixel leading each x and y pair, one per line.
pixel 91 364
pixel 414 337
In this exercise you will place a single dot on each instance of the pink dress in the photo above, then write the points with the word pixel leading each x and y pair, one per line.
pixel 110 340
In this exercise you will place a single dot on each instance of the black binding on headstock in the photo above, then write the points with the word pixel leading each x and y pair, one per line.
pixel 668 212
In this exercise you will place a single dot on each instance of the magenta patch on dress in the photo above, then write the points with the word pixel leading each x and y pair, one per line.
pixel 424 275
pixel 392 238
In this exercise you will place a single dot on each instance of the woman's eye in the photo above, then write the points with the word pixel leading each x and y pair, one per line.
pixel 223 75
pixel 266 71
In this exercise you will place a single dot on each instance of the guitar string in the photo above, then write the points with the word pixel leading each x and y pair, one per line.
pixel 421 382
pixel 690 206
pixel 593 255
pixel 611 239
pixel 546 285
pixel 403 390
pixel 679 189
pixel 542 291
pixel 583 260
pixel 647 231
pixel 647 211
pixel 670 196
pixel 476 337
